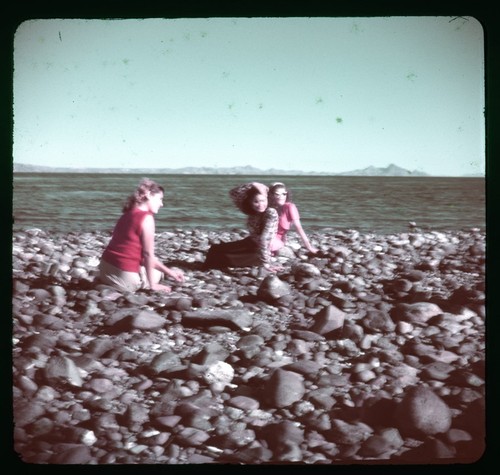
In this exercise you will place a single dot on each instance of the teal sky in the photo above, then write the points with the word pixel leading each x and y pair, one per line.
pixel 310 94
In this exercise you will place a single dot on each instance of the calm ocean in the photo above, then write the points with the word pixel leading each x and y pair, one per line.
pixel 88 202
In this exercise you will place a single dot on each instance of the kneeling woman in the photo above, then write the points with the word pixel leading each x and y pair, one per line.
pixel 129 262
pixel 262 224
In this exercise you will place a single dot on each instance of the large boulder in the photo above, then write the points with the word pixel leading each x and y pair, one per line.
pixel 272 289
pixel 285 388
pixel 422 411
pixel 417 313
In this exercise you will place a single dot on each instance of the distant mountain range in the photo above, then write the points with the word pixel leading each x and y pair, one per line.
pixel 390 170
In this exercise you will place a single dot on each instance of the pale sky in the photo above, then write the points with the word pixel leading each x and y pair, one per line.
pixel 311 94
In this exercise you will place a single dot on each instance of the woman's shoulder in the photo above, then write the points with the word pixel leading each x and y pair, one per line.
pixel 291 210
pixel 271 212
pixel 140 214
pixel 290 207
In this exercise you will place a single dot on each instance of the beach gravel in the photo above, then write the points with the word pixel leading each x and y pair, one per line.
pixel 372 350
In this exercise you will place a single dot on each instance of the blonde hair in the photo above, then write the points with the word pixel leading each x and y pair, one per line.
pixel 140 194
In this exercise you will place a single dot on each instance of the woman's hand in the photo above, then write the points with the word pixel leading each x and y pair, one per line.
pixel 161 288
pixel 269 269
pixel 273 267
pixel 176 274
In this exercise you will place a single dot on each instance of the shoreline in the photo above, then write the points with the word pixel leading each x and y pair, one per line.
pixel 231 232
pixel 238 228
pixel 308 366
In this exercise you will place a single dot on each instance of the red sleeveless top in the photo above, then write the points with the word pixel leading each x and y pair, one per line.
pixel 125 248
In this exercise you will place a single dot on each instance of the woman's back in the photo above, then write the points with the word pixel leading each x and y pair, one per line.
pixel 125 248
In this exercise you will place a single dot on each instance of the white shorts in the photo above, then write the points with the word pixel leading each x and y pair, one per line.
pixel 124 280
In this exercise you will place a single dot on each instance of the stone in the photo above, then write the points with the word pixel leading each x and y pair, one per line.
pixel 330 318
pixel 62 369
pixel 416 313
pixel 422 411
pixel 143 383
pixel 234 319
pixel 147 320
pixel 272 289
pixel 284 388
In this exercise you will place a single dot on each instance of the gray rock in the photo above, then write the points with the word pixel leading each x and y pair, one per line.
pixel 100 385
pixel 382 444
pixel 192 437
pixel 254 455
pixel 303 271
pixel 71 454
pixel 244 402
pixel 278 434
pixel 347 433
pixel 136 415
pixel 307 368
pixel 284 388
pixel 250 345
pixel 417 313
pixel 437 370
pixel 235 319
pixel 422 411
pixel 211 353
pixel 328 319
pixel 146 320
pixel 165 362
pixel 272 289
pixel 62 369
pixel 378 321
pixel 286 252
pixel 40 295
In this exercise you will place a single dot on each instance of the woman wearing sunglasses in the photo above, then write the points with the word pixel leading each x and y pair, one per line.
pixel 280 198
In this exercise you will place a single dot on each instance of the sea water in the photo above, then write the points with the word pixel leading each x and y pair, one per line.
pixel 86 202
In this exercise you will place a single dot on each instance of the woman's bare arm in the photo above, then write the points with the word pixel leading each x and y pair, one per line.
pixel 303 236
pixel 150 260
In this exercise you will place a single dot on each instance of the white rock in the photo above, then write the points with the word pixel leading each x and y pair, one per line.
pixel 219 373
pixel 89 438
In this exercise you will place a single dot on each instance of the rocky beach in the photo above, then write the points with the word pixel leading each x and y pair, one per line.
pixel 370 352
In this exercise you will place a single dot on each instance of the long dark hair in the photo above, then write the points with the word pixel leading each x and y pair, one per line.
pixel 246 205
pixel 139 195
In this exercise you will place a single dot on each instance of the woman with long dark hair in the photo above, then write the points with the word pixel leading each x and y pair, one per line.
pixel 262 224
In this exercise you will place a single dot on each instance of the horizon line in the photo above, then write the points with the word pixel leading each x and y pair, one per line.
pixel 255 171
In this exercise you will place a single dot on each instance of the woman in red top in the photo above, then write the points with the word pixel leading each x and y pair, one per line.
pixel 129 262
pixel 280 199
